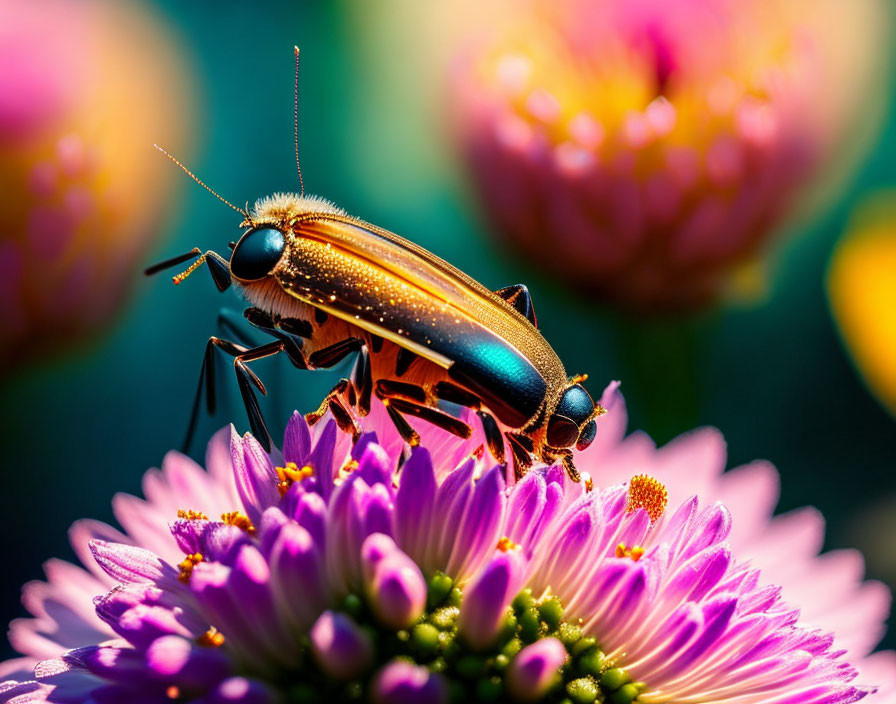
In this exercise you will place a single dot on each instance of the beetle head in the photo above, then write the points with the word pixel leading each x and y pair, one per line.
pixel 257 253
pixel 572 422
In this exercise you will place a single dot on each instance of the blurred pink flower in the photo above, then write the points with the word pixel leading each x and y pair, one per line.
pixel 86 88
pixel 642 150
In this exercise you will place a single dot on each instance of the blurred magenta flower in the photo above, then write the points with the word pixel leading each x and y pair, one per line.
pixel 86 88
pixel 327 571
pixel 645 151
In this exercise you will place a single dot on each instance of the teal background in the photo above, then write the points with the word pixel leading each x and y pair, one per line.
pixel 773 378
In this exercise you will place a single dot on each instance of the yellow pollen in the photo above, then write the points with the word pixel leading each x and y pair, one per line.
pixel 173 692
pixel 240 520
pixel 212 638
pixel 635 553
pixel 350 466
pixel 505 544
pixel 599 410
pixel 589 482
pixel 290 474
pixel 191 515
pixel 187 565
pixel 647 493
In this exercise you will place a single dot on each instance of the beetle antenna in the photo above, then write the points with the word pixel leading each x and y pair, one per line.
pixel 244 213
pixel 296 122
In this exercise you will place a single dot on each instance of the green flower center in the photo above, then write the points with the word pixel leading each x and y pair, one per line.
pixel 475 675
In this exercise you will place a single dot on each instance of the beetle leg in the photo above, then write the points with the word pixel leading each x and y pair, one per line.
pixel 363 381
pixel 438 418
pixel 388 388
pixel 340 395
pixel 217 266
pixel 335 353
pixel 493 436
pixel 229 322
pixel 522 459
pixel 403 361
pixel 452 393
pixel 519 298
pixel 244 377
pixel 207 381
pixel 408 434
pixel 284 329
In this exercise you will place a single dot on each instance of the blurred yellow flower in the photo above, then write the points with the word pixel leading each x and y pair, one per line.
pixel 86 88
pixel 862 292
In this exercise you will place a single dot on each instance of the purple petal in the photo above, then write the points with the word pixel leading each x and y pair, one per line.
pixel 311 514
pixel 187 534
pixel 414 503
pixel 486 599
pixel 377 508
pixel 360 446
pixel 272 521
pixel 401 682
pixel 221 541
pixel 526 503
pixel 240 690
pixel 297 569
pixel 340 647
pixel 693 580
pixel 322 458
pixel 297 440
pixel 477 534
pixel 254 475
pixel 375 466
pixel 129 564
pixel 249 585
pixel 345 534
pixel 398 591
pixel 121 665
pixel 375 548
pixel 178 660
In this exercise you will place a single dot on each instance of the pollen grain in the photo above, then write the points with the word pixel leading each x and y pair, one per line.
pixel 240 520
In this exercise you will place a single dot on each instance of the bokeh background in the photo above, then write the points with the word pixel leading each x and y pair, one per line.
pixel 97 388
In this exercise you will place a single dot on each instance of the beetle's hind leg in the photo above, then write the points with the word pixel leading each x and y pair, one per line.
pixel 402 399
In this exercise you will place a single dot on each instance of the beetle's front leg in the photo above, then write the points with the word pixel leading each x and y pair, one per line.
pixel 565 457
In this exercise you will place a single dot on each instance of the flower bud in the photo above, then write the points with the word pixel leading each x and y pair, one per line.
pixel 487 598
pixel 340 647
pixel 401 682
pixel 398 592
pixel 531 673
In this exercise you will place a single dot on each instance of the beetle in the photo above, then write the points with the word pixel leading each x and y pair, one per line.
pixel 327 285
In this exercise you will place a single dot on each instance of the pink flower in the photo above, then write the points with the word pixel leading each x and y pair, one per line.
pixel 340 571
pixel 85 90
pixel 640 151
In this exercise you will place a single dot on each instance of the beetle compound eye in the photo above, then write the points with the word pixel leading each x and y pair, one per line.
pixel 562 432
pixel 586 437
pixel 257 253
